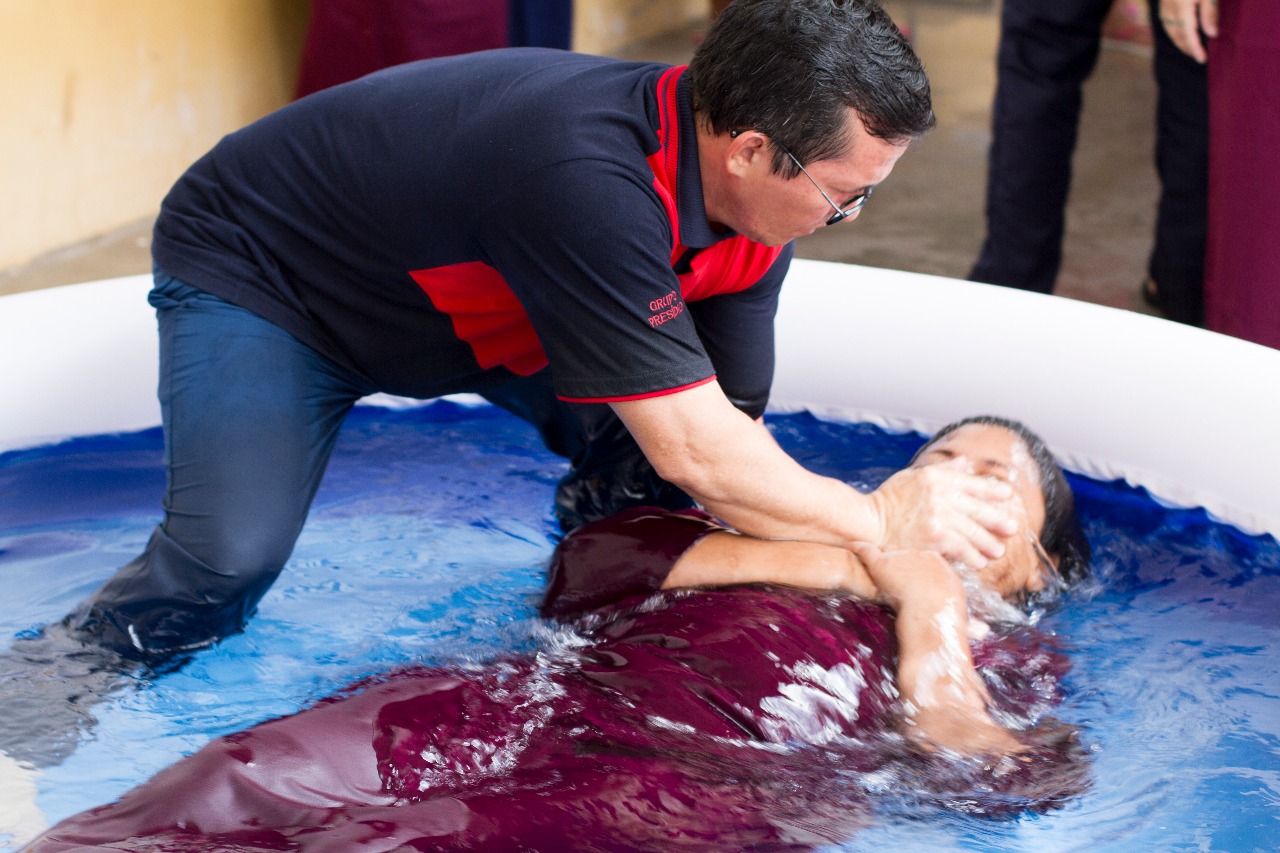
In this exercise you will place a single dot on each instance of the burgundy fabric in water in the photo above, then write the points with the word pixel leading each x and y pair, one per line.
pixel 630 553
pixel 1242 263
pixel 736 718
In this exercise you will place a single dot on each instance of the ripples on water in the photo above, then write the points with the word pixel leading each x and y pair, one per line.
pixel 427 544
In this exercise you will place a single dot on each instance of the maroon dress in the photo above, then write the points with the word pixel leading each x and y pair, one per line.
pixel 347 39
pixel 1242 262
pixel 750 717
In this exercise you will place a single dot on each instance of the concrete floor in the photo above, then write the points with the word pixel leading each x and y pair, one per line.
pixel 928 216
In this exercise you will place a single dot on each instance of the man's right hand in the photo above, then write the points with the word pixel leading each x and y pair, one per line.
pixel 945 508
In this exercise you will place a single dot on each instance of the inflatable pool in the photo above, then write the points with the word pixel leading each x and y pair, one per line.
pixel 1188 414
pixel 1173 653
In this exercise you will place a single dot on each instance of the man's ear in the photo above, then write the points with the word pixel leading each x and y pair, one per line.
pixel 745 152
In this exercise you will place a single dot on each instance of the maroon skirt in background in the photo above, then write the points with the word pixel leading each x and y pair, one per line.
pixel 347 39
pixel 1242 264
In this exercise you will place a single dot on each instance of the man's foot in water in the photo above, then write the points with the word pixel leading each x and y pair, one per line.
pixel 49 684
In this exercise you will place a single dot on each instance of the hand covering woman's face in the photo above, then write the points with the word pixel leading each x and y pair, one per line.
pixel 993 451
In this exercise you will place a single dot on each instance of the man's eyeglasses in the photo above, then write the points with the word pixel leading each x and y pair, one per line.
pixel 851 207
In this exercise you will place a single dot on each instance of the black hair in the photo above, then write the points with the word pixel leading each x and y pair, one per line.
pixel 1061 534
pixel 791 69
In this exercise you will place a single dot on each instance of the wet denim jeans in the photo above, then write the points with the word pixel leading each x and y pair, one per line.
pixel 250 416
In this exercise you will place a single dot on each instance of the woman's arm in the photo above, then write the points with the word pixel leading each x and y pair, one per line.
pixel 945 699
pixel 724 558
pixel 643 549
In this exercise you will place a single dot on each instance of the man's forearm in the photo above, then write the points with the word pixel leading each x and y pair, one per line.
pixel 733 467
pixel 730 464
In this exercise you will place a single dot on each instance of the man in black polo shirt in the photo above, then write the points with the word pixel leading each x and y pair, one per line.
pixel 595 245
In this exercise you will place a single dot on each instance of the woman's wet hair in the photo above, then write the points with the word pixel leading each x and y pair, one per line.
pixel 1061 534
pixel 792 69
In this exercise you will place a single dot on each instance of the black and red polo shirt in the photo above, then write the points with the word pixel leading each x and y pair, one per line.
pixel 446 225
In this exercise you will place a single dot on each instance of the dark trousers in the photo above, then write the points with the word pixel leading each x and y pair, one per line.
pixel 250 417
pixel 540 23
pixel 1047 51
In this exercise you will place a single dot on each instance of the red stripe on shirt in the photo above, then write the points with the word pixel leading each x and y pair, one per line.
pixel 626 398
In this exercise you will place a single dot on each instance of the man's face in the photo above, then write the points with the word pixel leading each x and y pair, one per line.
pixel 772 209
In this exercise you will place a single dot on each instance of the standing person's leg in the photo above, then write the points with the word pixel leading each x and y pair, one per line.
pixel 1047 51
pixel 339 45
pixel 1182 160
pixel 540 23
pixel 533 399
pixel 250 417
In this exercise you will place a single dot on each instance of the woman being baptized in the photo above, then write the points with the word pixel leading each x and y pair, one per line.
pixel 701 690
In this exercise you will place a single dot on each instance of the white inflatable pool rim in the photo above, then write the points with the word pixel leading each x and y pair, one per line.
pixel 1188 414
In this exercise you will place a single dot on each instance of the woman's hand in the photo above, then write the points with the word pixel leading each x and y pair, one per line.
pixel 961 731
pixel 1185 20
pixel 909 578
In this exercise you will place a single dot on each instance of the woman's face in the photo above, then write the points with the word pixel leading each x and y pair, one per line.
pixel 993 451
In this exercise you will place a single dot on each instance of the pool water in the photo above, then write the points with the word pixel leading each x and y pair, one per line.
pixel 427 543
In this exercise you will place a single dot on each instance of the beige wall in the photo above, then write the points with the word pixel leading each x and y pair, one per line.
pixel 105 102
pixel 604 26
